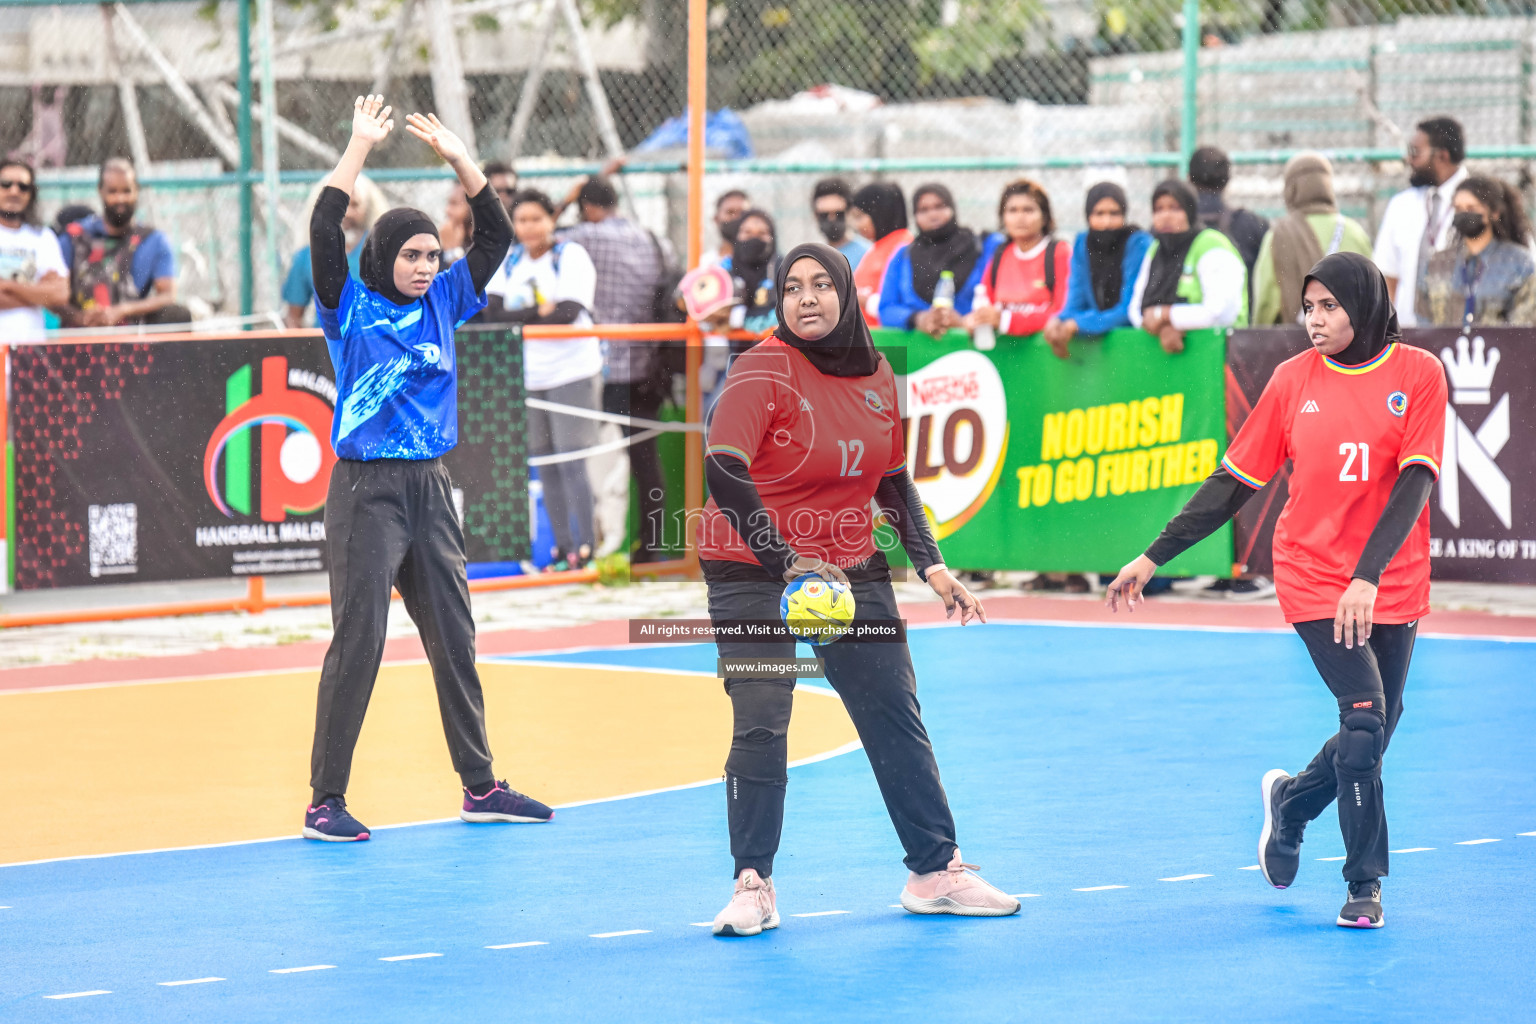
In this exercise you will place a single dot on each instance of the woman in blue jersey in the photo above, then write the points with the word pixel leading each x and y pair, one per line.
pixel 389 514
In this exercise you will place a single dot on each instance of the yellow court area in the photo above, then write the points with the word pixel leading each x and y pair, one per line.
pixel 226 758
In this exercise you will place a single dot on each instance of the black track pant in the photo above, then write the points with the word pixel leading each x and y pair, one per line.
pixel 1367 680
pixel 643 400
pixel 879 690
pixel 391 523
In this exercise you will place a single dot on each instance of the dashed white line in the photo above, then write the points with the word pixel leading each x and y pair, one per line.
pixel 1098 888
pixel 409 956
pixel 1330 858
pixel 77 995
pixel 517 945
pixel 1475 842
pixel 1521 833
pixel 1414 849
pixel 701 924
pixel 301 970
pixel 1018 896
pixel 1250 867
pixel 820 913
pixel 616 935
pixel 1183 878
pixel 189 981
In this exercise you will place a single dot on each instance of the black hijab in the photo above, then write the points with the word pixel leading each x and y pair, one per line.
pixel 1172 247
pixel 1106 249
pixel 1358 285
pixel 847 350
pixel 885 206
pixel 948 247
pixel 389 234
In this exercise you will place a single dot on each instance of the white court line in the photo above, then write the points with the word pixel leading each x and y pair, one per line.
pixel 190 981
pixel 1413 849
pixel 517 945
pixel 820 913
pixel 1250 867
pixel 1330 858
pixel 1098 888
pixel 1475 842
pixel 1018 896
pixel 1521 833
pixel 617 935
pixel 706 924
pixel 301 970
pixel 77 995
pixel 408 956
pixel 1183 878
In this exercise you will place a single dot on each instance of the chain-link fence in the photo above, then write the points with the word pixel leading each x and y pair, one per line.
pixel 970 92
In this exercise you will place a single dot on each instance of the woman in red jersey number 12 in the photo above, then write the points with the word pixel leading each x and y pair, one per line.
pixel 1362 419
pixel 804 434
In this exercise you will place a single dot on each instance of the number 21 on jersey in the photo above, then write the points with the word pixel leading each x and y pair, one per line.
pixel 1350 450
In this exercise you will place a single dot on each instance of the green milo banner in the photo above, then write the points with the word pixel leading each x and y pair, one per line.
pixel 1027 461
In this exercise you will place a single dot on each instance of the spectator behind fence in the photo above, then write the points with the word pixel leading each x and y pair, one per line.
pixel 1192 276
pixel 545 281
pixel 1105 261
pixel 503 181
pixel 457 228
pixel 1417 222
pixel 941 247
pixel 829 202
pixel 32 271
pixel 1312 228
pixel 628 262
pixel 1486 275
pixel 1209 172
pixel 363 208
pixel 729 206
pixel 754 263
pixel 878 213
pixel 120 272
pixel 1020 282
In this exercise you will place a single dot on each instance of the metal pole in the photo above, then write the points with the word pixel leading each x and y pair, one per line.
pixel 449 91
pixel 243 122
pixel 528 97
pixel 1187 126
pixel 269 154
pixel 698 94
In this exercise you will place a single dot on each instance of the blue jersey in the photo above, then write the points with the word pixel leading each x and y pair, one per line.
pixel 396 378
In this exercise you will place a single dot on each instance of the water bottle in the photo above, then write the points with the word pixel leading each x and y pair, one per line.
pixel 984 337
pixel 944 293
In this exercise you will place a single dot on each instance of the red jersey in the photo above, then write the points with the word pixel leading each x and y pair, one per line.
pixel 1026 303
pixel 1348 431
pixel 869 275
pixel 817 447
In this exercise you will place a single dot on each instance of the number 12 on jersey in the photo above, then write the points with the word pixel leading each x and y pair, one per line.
pixel 1349 450
pixel 855 450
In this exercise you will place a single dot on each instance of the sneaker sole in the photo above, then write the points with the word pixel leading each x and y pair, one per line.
pixel 1361 922
pixel 480 817
pixel 1266 788
pixel 310 833
pixel 945 905
pixel 726 931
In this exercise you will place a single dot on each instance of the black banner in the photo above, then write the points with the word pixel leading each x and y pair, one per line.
pixel 1483 509
pixel 210 457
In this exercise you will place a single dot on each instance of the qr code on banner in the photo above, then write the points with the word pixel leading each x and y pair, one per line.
pixel 114 539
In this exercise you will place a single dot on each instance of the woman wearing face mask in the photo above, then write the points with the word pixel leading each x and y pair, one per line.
pixel 1361 417
pixel 778 447
pixel 1105 262
pixel 753 262
pixel 941 246
pixel 879 212
pixel 1486 275
pixel 1192 277
pixel 390 520
pixel 1020 282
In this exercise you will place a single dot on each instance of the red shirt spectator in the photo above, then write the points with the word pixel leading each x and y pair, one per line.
pixel 1017 285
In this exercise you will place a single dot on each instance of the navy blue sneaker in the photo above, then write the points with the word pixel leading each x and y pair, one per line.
pixel 503 803
pixel 331 823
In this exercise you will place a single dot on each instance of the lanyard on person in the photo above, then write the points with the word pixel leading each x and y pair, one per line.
pixel 1470 309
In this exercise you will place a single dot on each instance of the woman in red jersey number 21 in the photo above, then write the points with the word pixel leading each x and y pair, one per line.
pixel 1362 419
pixel 805 433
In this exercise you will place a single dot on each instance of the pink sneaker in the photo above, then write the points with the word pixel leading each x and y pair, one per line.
pixel 956 890
pixel 752 909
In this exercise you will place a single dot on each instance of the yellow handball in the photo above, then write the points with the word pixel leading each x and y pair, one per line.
pixel 816 610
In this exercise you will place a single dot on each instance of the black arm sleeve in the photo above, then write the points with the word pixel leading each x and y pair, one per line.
pixel 730 483
pixel 566 312
pixel 1217 500
pixel 1408 498
pixel 495 312
pixel 492 238
pixel 898 498
pixel 328 246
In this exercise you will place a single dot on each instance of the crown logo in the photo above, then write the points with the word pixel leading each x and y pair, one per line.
pixel 1471 375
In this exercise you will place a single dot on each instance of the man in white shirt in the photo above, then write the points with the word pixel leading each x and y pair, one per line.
pixel 32 271
pixel 1418 219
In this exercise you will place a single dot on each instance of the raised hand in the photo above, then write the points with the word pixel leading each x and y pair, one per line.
pixel 434 133
pixel 371 123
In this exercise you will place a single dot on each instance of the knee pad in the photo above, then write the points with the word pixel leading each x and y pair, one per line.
pixel 760 738
pixel 1362 733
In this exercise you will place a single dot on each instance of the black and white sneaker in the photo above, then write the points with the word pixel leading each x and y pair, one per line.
pixel 1279 845
pixel 1363 908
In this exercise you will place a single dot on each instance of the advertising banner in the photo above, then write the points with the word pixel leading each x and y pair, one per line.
pixel 1482 512
pixel 1027 461
pixel 210 457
